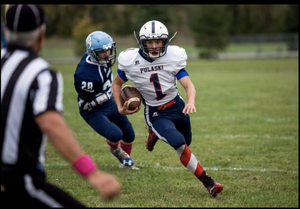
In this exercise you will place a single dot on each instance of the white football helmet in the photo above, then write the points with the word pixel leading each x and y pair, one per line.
pixel 153 30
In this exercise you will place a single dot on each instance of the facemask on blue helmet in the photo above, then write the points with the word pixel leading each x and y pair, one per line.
pixel 99 41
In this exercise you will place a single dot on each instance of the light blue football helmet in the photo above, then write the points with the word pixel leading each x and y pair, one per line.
pixel 100 41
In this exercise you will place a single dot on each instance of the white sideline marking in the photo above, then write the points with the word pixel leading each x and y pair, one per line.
pixel 233 169
pixel 233 118
pixel 239 136
pixel 158 166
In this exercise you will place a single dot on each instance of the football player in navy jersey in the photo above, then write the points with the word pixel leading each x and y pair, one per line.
pixel 93 83
pixel 154 68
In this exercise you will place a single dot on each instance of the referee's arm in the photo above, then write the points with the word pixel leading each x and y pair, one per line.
pixel 60 135
pixel 62 138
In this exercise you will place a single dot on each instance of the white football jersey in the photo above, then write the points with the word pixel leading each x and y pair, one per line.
pixel 156 80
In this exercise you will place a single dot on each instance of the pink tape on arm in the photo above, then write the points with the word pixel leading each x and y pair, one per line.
pixel 84 165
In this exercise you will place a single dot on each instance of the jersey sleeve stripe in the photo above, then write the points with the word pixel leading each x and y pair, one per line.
pixel 45 95
pixel 122 75
pixel 182 73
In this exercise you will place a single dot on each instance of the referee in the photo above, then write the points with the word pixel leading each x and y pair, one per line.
pixel 31 109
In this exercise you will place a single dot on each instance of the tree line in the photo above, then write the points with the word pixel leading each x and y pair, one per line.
pixel 209 25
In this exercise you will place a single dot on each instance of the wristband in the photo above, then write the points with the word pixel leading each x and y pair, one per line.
pixel 84 165
pixel 101 98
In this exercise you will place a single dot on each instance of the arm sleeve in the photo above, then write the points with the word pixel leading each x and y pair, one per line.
pixel 85 95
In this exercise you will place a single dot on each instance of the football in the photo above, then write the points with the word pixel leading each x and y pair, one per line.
pixel 132 95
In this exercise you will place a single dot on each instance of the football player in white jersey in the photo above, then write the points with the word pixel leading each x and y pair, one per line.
pixel 154 68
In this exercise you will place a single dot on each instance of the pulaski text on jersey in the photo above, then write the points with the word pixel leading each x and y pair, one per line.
pixel 152 68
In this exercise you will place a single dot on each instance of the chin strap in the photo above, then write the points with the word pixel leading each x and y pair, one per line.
pixel 173 36
pixel 137 40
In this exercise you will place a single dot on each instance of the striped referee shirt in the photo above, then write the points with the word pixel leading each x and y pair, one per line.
pixel 28 88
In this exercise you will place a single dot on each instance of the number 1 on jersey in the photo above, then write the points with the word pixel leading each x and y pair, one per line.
pixel 155 80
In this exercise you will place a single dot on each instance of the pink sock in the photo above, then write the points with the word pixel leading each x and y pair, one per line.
pixel 126 147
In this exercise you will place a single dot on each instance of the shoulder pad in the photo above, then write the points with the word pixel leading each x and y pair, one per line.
pixel 176 53
pixel 127 57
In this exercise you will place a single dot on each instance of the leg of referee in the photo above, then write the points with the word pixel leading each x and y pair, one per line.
pixel 31 189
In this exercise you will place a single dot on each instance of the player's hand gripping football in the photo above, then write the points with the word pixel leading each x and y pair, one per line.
pixel 125 111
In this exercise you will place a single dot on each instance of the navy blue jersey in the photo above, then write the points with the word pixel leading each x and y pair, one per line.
pixel 105 119
pixel 92 78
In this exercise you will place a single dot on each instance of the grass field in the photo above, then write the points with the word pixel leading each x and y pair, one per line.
pixel 245 134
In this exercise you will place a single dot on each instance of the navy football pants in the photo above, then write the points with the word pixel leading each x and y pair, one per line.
pixel 170 124
pixel 109 123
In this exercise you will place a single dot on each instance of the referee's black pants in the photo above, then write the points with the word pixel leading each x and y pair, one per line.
pixel 29 188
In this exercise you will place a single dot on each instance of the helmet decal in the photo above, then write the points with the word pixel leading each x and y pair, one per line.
pixel 153 26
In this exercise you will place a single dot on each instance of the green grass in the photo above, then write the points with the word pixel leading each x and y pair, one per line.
pixel 245 134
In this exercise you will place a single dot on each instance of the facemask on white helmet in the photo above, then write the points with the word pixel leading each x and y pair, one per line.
pixel 153 30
